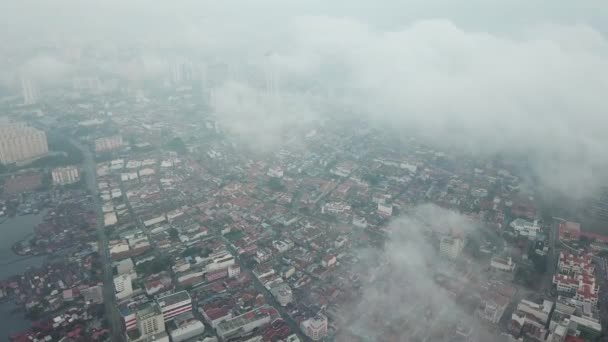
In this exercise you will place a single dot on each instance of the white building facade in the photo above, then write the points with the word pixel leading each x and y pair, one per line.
pixel 19 143
pixel 65 175
pixel 315 327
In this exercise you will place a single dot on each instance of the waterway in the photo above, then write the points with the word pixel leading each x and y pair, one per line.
pixel 13 230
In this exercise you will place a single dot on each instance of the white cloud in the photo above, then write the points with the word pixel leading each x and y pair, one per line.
pixel 261 119
pixel 521 77
pixel 540 94
pixel 45 68
pixel 398 287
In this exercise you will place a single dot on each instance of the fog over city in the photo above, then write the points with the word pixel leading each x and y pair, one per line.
pixel 417 101
pixel 519 77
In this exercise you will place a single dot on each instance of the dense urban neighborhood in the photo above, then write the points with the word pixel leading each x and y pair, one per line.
pixel 160 225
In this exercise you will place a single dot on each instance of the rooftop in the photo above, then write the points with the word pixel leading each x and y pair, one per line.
pixel 149 310
pixel 173 298
pixel 244 319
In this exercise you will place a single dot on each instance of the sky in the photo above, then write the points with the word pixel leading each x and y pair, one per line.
pixel 518 77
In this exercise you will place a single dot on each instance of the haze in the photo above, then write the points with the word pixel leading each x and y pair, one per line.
pixel 464 117
pixel 517 77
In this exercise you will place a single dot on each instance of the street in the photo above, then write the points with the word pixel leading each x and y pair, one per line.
pixel 112 315
pixel 601 273
pixel 263 290
pixel 552 255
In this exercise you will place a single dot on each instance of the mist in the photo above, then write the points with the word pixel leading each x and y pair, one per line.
pixel 400 288
pixel 524 78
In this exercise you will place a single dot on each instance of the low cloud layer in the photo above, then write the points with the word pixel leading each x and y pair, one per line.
pixel 259 117
pixel 399 289
pixel 45 68
pixel 521 78
pixel 538 94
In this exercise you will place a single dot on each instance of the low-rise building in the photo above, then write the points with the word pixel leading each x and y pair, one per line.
pixel 275 172
pixel 385 210
pixel 174 304
pixel 93 294
pixel 282 246
pixel 574 264
pixel 526 228
pixel 184 327
pixel 569 231
pixel 125 266
pixel 336 208
pixel 530 319
pixel 502 264
pixel 244 324
pixel 214 315
pixel 329 261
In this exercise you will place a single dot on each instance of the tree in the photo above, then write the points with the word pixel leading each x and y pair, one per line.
pixel 191 251
pixel 524 276
pixel 275 184
pixel 154 266
pixel 540 263
pixel 473 246
pixel 173 233
pixel 372 179
pixel 177 144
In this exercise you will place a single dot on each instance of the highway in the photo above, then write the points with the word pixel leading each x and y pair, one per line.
pixel 109 299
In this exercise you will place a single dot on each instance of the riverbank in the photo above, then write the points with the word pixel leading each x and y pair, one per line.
pixel 12 230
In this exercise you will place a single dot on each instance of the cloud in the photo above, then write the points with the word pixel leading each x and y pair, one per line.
pixel 259 117
pixel 400 291
pixel 45 68
pixel 521 77
pixel 538 94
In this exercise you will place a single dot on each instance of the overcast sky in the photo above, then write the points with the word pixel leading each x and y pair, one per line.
pixel 521 76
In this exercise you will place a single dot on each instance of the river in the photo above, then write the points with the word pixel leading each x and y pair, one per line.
pixel 13 230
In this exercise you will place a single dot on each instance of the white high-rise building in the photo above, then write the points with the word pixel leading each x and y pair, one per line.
pixel 29 91
pixel 282 293
pixel 108 143
pixel 65 175
pixel 123 286
pixel 182 71
pixel 315 327
pixel 272 80
pixel 19 143
pixel 150 320
pixel 451 247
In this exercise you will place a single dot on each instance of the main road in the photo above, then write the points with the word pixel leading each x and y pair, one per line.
pixel 293 325
pixel 113 316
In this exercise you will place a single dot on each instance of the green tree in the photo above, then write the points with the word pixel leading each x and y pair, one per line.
pixel 155 266
pixel 275 184
pixel 173 233
pixel 177 144
pixel 372 179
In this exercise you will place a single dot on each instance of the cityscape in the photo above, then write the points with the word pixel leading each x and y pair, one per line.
pixel 153 192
